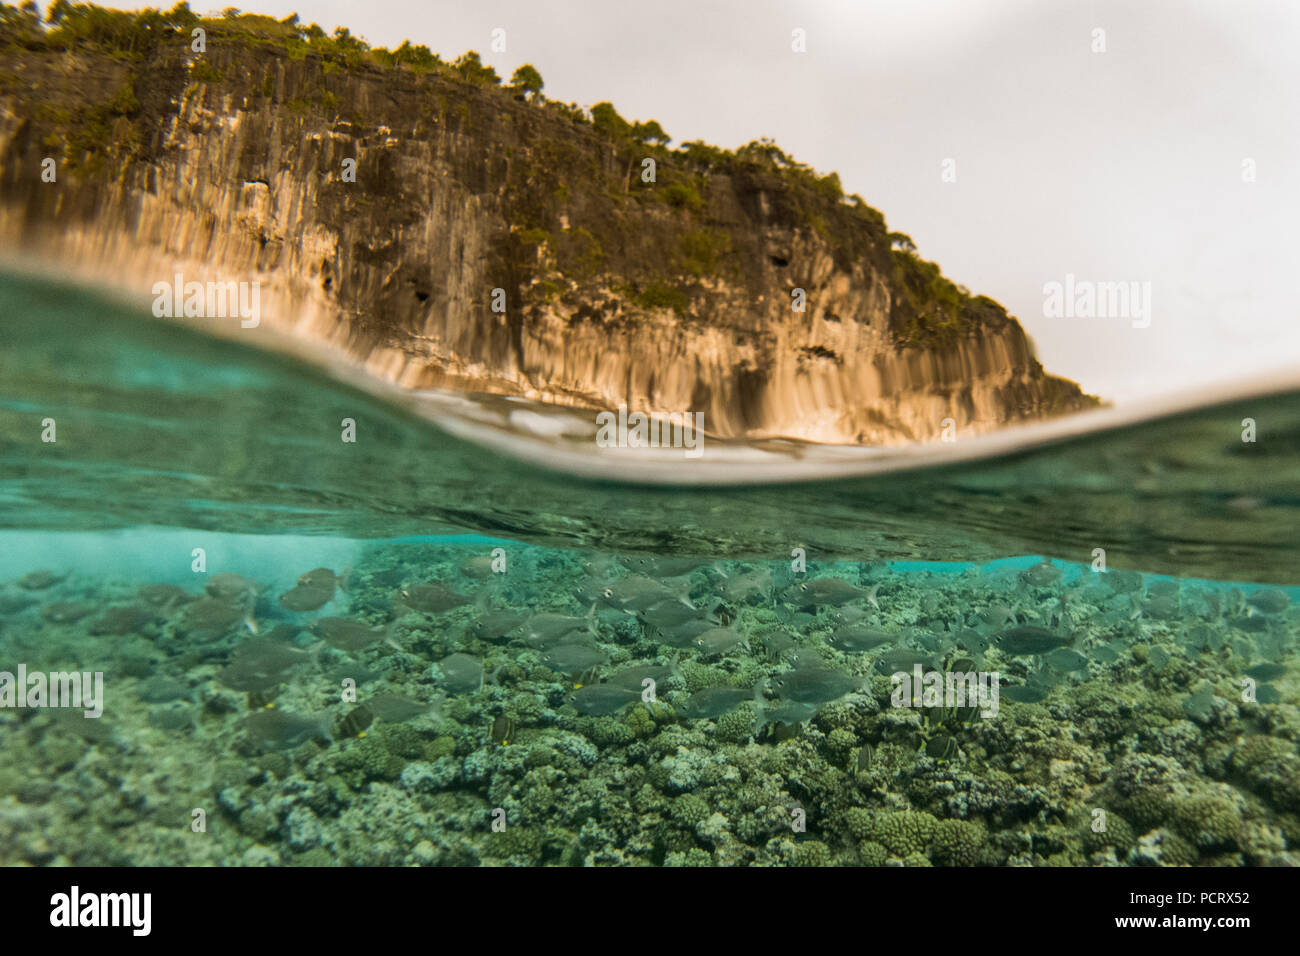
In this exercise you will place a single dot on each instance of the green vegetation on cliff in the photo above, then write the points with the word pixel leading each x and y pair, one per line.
pixel 607 222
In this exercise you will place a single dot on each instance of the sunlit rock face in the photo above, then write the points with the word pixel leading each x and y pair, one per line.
pixel 673 295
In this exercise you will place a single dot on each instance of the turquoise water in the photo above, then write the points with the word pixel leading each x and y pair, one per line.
pixel 410 649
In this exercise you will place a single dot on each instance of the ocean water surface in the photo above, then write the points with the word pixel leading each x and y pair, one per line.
pixel 413 648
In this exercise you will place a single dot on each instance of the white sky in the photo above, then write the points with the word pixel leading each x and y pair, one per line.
pixel 1119 166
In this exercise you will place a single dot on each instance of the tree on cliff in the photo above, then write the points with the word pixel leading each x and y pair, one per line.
pixel 527 80
pixel 418 56
pixel 608 123
pixel 650 132
pixel 901 242
pixel 21 24
pixel 472 68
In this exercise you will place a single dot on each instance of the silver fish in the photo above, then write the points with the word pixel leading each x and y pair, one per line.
pixel 1162 588
pixel 712 702
pixel 1066 660
pixel 684 635
pixel 547 630
pixel 848 614
pixel 996 615
pixel 159 689
pixel 277 730
pixel 1269 601
pixel 39 580
pixel 659 566
pixel 431 598
pixel 394 708
pixel 231 586
pixel 1024 693
pixel 495 626
pixel 719 640
pixel 211 617
pixel 814 685
pixel 261 663
pixel 1105 653
pixel 302 597
pixel 573 659
pixel 164 596
pixel 320 578
pixel 123 620
pixel 902 659
pixel 461 674
pixel 777 643
pixel 742 587
pixel 352 671
pixel 636 593
pixel 345 635
pixel 1266 694
pixel 827 591
pixel 1030 639
pixel 788 712
pixel 600 700
pixel 66 612
pixel 668 613
pixel 478 566
pixel 1041 575
pixel 1160 608
pixel 973 641
pixel 1122 582
pixel 857 638
pixel 1266 671
pixel 632 678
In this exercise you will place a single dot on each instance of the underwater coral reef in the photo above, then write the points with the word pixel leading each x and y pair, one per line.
pixel 478 702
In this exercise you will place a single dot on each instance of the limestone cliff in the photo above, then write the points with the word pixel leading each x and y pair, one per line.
pixel 669 295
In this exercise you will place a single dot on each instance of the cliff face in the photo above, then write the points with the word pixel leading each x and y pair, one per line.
pixel 673 295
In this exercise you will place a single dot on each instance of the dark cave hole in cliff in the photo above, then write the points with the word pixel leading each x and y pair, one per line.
pixel 780 261
pixel 422 296
pixel 749 387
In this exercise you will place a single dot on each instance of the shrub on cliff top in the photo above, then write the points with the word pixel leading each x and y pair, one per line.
pixel 470 66
pixel 132 34
pixel 650 132
pixel 419 57
pixel 21 25
pixel 527 80
pixel 608 123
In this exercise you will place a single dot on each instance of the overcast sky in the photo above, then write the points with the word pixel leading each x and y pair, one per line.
pixel 1123 165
